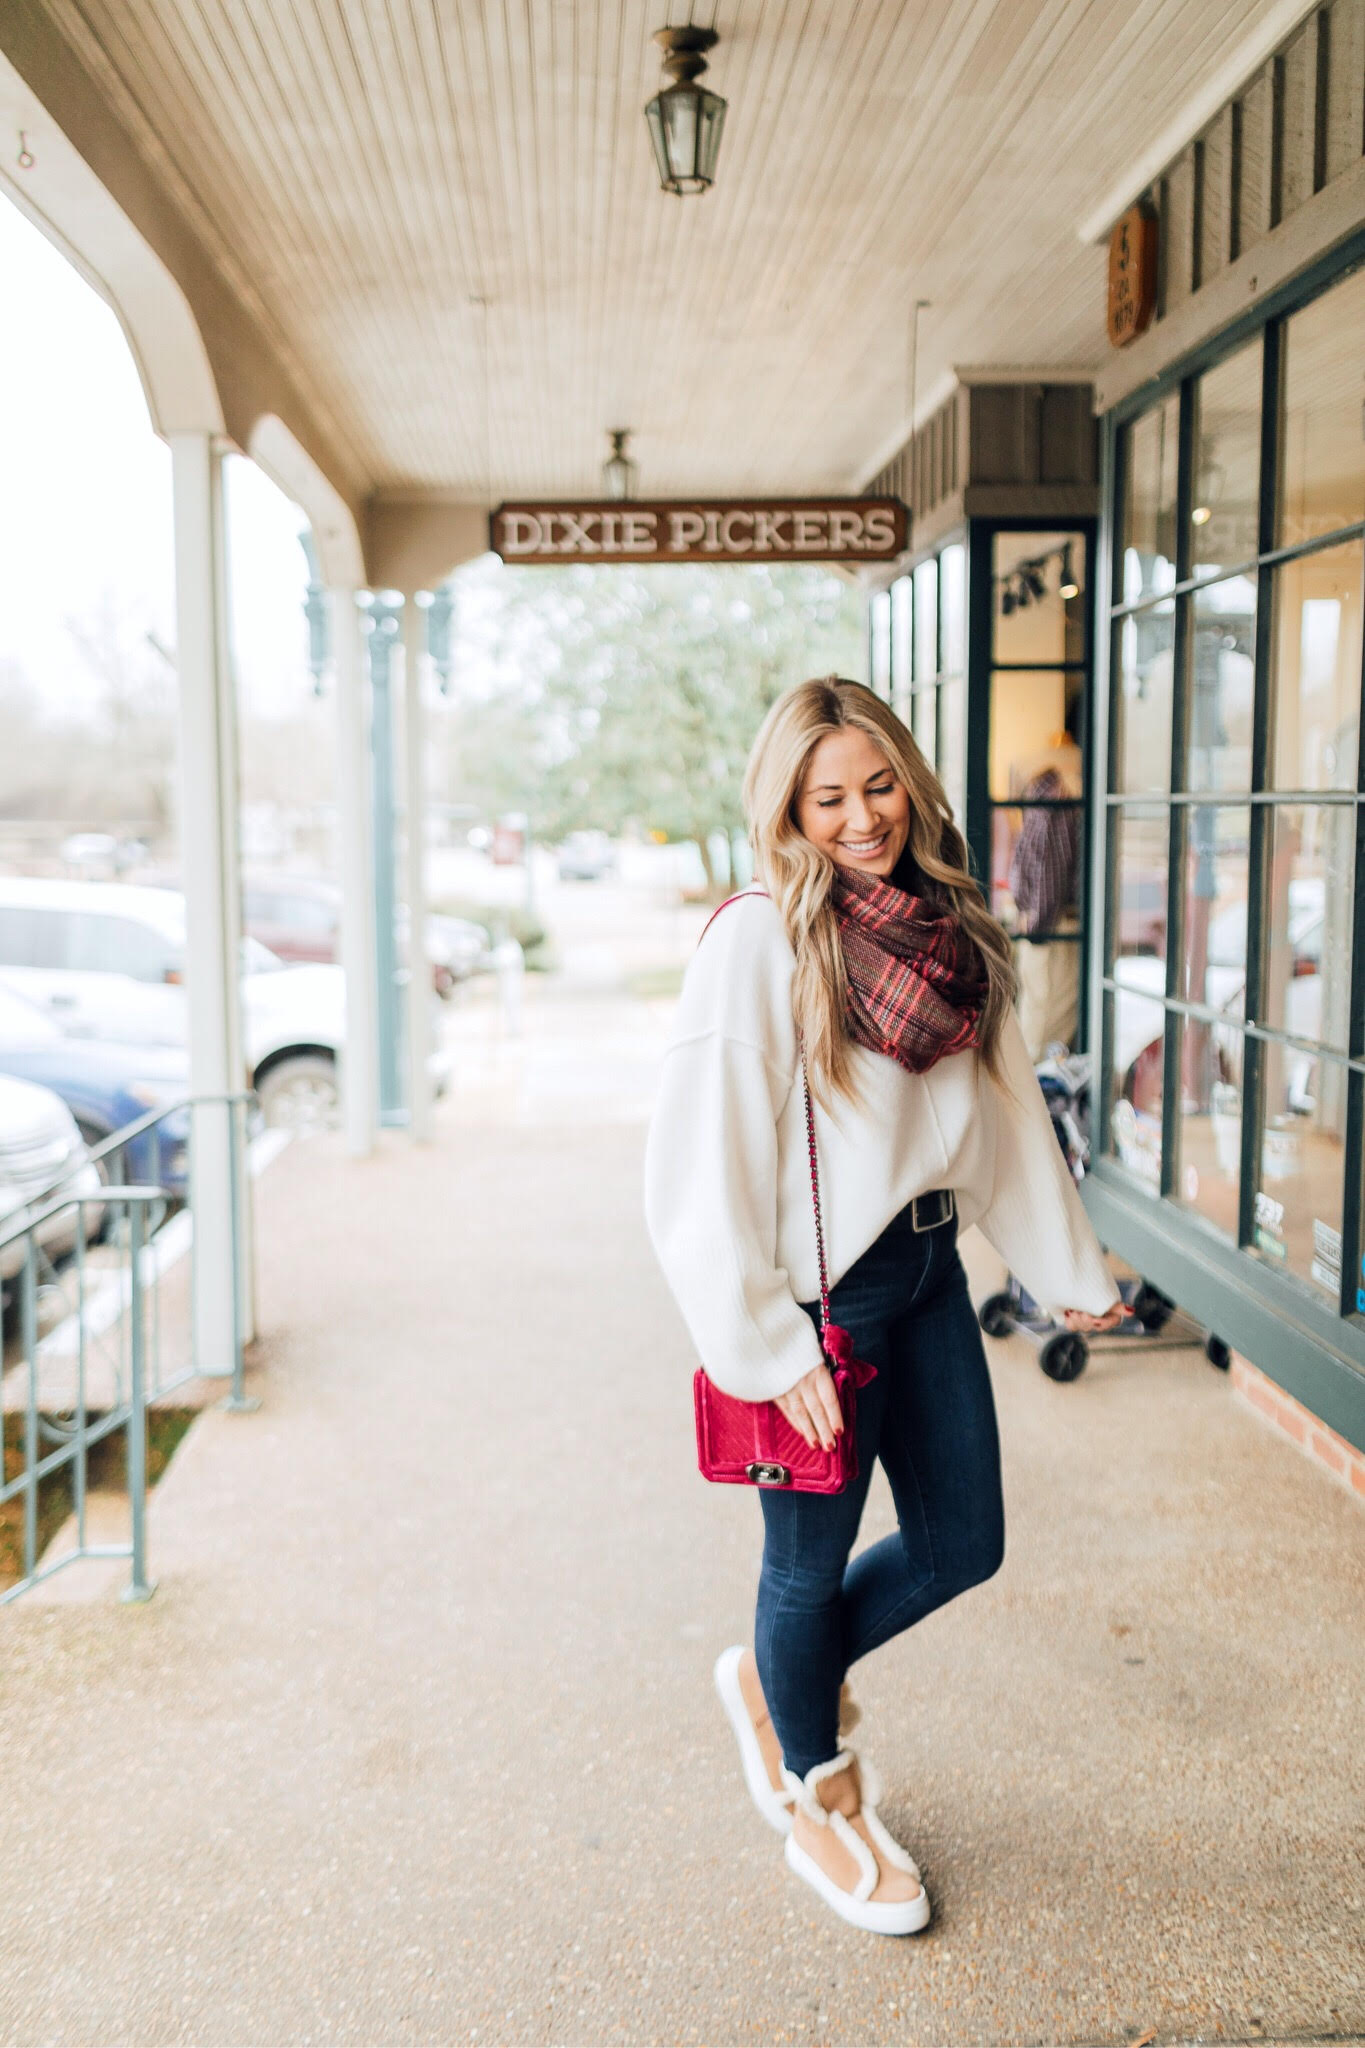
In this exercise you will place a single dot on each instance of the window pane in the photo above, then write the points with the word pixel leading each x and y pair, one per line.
pixel 1323 459
pixel 952 741
pixel 1138 1041
pixel 924 723
pixel 1035 720
pixel 1299 1197
pixel 1036 866
pixel 1034 622
pixel 880 622
pixel 1214 954
pixel 1227 462
pixel 1210 1130
pixel 953 591
pixel 1316 681
pixel 926 621
pixel 1049 978
pixel 1308 957
pixel 1222 685
pixel 1149 503
pixel 1142 699
pixel 1141 862
pixel 901 618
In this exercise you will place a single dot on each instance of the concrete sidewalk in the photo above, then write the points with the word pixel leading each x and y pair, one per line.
pixel 416 1741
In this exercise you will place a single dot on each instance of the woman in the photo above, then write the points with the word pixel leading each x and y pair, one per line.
pixel 873 953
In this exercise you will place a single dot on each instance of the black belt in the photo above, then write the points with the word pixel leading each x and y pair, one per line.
pixel 929 1211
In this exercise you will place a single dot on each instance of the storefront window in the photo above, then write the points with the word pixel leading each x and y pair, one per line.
pixel 1227 463
pixel 1316 680
pixel 1222 677
pixel 924 723
pixel 1148 523
pixel 879 628
pixel 953 592
pixel 927 639
pixel 926 622
pixel 902 614
pixel 1309 905
pixel 1141 712
pixel 1257 799
pixel 1322 444
pixel 1039 578
pixel 1213 956
pixel 1298 1205
pixel 952 742
pixel 1138 1039
pixel 1141 858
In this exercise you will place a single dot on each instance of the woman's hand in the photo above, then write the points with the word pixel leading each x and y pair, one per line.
pixel 1077 1319
pixel 812 1406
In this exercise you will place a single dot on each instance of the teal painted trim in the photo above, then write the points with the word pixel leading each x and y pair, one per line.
pixel 1233 1295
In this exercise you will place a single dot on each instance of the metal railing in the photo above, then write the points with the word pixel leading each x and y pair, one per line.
pixel 97 1343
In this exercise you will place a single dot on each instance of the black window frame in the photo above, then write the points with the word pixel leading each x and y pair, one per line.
pixel 1315 1349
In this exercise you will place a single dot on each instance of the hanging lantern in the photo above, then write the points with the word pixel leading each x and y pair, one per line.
pixel 685 120
pixel 619 473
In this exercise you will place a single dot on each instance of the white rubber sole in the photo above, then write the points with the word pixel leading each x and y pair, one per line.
pixel 770 1804
pixel 902 1916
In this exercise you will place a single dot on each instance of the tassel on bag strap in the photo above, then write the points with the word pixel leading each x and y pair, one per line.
pixel 826 1327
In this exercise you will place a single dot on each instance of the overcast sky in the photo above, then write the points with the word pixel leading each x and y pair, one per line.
pixel 85 496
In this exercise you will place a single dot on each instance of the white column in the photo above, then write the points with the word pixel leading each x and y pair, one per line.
pixel 417 1011
pixel 230 785
pixel 360 1060
pixel 213 988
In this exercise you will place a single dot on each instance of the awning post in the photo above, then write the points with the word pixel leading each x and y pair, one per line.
pixel 208 859
pixel 418 1007
pixel 360 1056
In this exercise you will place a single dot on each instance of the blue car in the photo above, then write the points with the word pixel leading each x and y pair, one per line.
pixel 106 1086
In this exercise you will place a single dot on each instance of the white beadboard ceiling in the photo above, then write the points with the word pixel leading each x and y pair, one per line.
pixel 444 213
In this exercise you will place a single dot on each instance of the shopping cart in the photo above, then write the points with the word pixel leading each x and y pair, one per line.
pixel 1154 1320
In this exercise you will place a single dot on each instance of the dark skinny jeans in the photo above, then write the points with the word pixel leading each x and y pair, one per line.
pixel 930 1417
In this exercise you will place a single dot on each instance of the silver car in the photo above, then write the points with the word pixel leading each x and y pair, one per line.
pixel 41 1154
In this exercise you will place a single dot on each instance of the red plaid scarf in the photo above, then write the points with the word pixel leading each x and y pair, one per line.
pixel 916 982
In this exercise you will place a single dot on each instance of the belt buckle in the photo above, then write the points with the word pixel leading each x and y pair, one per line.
pixel 943 1198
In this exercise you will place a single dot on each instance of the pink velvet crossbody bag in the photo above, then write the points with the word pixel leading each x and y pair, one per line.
pixel 751 1443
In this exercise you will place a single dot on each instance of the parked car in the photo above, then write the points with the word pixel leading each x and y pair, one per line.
pixel 106 1086
pixel 106 961
pixel 586 857
pixel 300 920
pixel 41 1154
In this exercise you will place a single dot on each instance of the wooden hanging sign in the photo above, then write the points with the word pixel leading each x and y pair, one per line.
pixel 1132 275
pixel 702 530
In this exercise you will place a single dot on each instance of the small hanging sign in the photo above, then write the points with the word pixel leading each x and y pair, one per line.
pixel 1132 275
pixel 702 530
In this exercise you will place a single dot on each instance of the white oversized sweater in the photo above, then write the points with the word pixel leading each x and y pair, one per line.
pixel 727 1181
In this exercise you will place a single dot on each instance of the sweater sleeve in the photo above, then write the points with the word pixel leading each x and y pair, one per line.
pixel 1035 1218
pixel 711 1163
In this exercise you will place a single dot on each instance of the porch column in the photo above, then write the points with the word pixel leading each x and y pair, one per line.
pixel 360 1058
pixel 417 1010
pixel 207 843
pixel 232 897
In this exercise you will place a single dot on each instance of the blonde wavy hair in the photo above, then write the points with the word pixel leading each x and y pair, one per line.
pixel 799 877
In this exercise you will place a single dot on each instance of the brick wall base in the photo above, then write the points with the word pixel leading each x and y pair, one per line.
pixel 1332 1452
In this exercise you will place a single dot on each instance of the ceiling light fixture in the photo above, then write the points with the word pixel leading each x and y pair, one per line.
pixel 619 473
pixel 1201 515
pixel 685 119
pixel 1069 586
